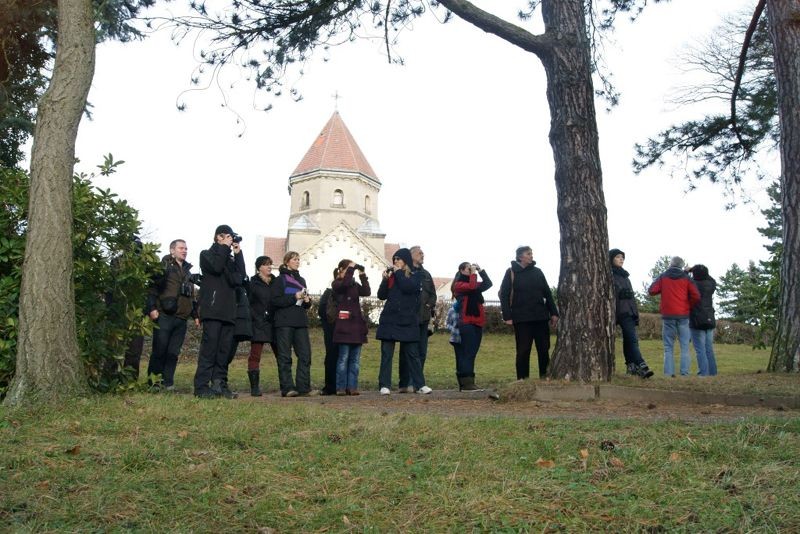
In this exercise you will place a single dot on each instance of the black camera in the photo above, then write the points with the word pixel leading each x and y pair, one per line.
pixel 237 238
pixel 196 278
pixel 389 270
pixel 358 267
pixel 187 289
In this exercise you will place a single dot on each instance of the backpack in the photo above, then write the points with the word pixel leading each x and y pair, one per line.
pixel 331 308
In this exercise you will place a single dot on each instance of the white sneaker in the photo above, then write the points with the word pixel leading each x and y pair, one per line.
pixel 385 391
pixel 424 390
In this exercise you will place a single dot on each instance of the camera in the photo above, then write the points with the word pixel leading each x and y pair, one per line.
pixel 196 278
pixel 358 267
pixel 237 238
pixel 389 270
pixel 187 289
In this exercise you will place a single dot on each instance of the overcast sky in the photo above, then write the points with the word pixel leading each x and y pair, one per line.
pixel 457 135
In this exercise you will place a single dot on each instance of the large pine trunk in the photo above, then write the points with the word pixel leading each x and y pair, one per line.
pixel 48 361
pixel 585 345
pixel 784 23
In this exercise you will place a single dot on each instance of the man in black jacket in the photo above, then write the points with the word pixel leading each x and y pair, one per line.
pixel 527 304
pixel 170 302
pixel 222 274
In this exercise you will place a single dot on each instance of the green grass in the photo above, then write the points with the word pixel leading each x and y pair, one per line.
pixel 150 463
pixel 741 368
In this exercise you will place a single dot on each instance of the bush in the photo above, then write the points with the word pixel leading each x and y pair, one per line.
pixel 111 275
pixel 730 332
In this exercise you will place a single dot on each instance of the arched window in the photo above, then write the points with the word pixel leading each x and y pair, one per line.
pixel 338 198
pixel 367 205
pixel 305 200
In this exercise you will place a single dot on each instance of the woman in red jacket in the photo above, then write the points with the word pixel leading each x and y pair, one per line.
pixel 468 292
pixel 350 329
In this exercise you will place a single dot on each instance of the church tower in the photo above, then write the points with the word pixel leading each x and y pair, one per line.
pixel 334 211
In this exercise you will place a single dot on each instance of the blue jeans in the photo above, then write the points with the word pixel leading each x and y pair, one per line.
pixel 466 351
pixel 670 328
pixel 411 350
pixel 347 367
pixel 703 341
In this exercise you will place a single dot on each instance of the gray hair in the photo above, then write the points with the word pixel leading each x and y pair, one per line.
pixel 677 261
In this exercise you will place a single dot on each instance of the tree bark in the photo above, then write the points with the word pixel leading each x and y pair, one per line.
pixel 49 367
pixel 585 346
pixel 784 24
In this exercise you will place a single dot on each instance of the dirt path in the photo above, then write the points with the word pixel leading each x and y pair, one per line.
pixel 454 403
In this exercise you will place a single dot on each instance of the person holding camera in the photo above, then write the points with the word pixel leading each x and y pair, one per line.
pixel 469 293
pixel 350 328
pixel 222 266
pixel 399 321
pixel 260 294
pixel 290 302
pixel 170 302
pixel 627 316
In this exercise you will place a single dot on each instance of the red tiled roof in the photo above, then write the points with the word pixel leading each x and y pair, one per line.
pixel 275 248
pixel 335 149
pixel 440 281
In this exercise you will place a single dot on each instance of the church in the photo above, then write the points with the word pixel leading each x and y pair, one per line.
pixel 334 211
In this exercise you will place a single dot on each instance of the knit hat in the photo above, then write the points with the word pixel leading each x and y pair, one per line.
pixel 613 253
pixel 224 229
pixel 405 255
pixel 677 261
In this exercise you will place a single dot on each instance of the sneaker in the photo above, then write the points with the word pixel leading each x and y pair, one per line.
pixel 424 390
pixel 631 369
pixel 406 389
pixel 340 393
pixel 353 392
pixel 227 393
pixel 291 393
pixel 385 391
pixel 644 371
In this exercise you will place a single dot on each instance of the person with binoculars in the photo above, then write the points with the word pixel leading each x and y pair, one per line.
pixel 350 327
pixel 468 297
pixel 222 266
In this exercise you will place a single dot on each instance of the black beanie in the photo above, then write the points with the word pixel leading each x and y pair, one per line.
pixel 613 253
pixel 405 255
pixel 224 229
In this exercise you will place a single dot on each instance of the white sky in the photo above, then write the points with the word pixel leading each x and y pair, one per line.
pixel 458 136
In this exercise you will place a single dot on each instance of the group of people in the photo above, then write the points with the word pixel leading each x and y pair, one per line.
pixel 687 312
pixel 269 309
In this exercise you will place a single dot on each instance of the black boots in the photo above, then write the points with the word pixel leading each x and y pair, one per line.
pixel 253 375
pixel 467 383
pixel 220 389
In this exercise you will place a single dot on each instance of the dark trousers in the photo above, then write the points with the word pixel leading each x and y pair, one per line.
pixel 331 358
pixel 526 334
pixel 415 373
pixel 133 356
pixel 422 349
pixel 167 342
pixel 287 338
pixel 467 350
pixel 215 349
pixel 630 341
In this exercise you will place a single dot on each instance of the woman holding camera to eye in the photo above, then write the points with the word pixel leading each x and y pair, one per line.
pixel 469 294
pixel 399 321
pixel 350 328
pixel 290 302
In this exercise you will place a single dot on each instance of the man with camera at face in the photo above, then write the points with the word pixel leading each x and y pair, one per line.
pixel 222 266
pixel 170 302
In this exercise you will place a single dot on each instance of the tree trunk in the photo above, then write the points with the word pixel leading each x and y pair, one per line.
pixel 585 345
pixel 784 24
pixel 48 361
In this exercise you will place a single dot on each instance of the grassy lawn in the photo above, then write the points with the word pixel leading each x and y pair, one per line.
pixel 172 463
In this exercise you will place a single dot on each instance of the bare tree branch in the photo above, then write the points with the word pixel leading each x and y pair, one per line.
pixel 748 37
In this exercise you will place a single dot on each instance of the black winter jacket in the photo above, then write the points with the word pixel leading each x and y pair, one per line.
pixel 284 303
pixel 623 291
pixel 399 319
pixel 222 274
pixel 701 317
pixel 260 295
pixel 532 298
